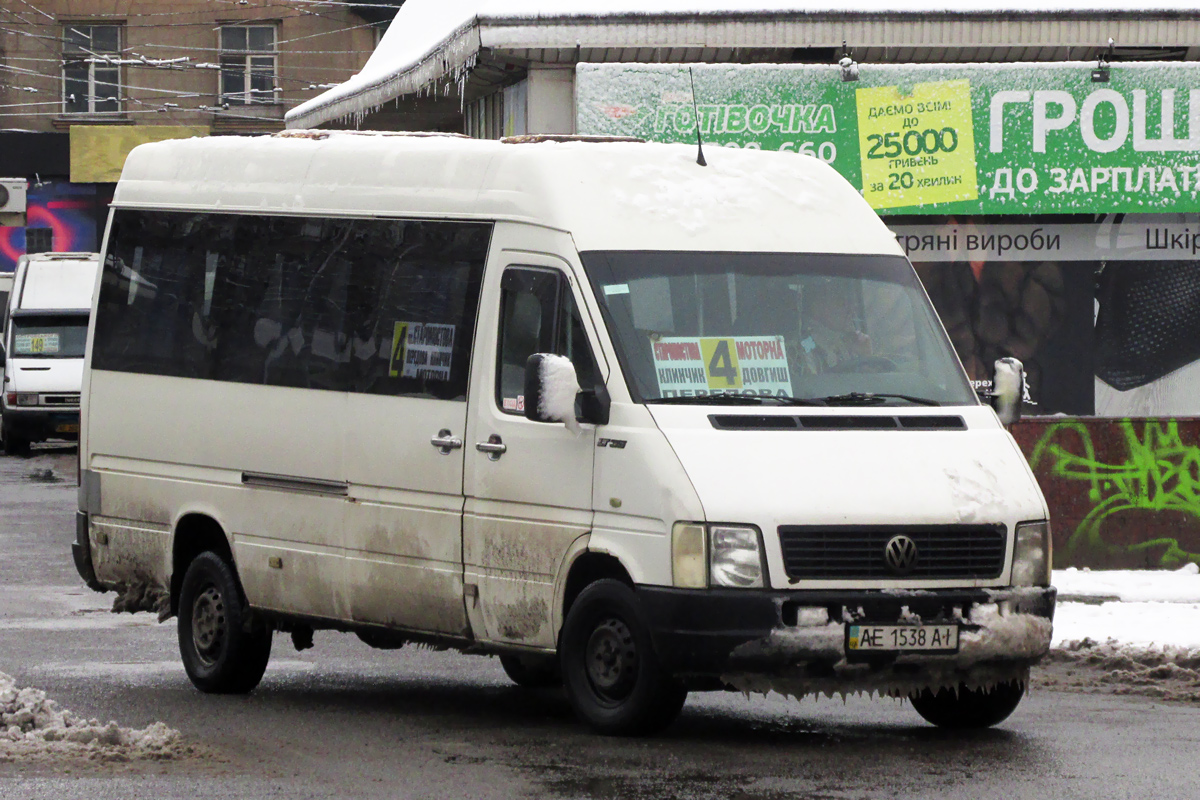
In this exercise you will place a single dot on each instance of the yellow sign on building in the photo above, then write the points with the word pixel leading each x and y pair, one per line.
pixel 917 148
pixel 98 151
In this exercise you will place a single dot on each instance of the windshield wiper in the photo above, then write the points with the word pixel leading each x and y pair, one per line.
pixel 741 400
pixel 872 398
pixel 711 399
pixel 784 400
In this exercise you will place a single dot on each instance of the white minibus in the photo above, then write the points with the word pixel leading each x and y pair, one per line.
pixel 44 332
pixel 635 425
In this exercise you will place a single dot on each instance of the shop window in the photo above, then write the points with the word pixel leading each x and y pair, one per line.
pixel 91 69
pixel 249 64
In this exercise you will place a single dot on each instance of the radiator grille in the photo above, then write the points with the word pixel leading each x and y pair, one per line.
pixel 942 551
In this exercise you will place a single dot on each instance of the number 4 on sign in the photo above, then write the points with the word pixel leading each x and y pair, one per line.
pixel 721 364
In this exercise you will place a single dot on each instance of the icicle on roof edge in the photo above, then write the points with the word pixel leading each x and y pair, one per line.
pixel 358 96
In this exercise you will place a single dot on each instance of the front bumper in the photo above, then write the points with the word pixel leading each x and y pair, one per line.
pixel 37 424
pixel 794 642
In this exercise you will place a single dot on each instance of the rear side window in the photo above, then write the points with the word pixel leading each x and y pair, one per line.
pixel 374 306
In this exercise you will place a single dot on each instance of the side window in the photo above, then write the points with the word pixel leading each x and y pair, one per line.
pixel 413 299
pixel 537 315
pixel 373 306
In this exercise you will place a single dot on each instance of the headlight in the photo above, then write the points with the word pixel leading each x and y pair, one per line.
pixel 27 398
pixel 1031 554
pixel 735 557
pixel 688 556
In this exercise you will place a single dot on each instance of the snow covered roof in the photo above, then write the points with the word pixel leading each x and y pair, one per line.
pixel 433 43
pixel 608 196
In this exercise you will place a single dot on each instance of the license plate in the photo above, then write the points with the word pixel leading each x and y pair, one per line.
pixel 901 639
pixel 67 428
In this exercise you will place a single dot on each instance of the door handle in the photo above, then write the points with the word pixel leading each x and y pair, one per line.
pixel 494 447
pixel 446 441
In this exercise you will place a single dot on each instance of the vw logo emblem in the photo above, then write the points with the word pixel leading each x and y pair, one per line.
pixel 900 554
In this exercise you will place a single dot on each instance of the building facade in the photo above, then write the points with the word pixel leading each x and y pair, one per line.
pixel 82 82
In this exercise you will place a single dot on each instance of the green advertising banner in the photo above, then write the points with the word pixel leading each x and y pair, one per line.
pixel 944 139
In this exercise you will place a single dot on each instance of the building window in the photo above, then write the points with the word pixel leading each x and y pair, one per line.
pixel 91 69
pixel 39 240
pixel 249 62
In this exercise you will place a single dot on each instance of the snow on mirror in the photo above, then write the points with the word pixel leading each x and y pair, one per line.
pixel 551 388
pixel 1010 386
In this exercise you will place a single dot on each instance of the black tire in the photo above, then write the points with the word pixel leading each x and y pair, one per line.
pixel 611 672
pixel 15 445
pixel 969 708
pixel 219 654
pixel 532 672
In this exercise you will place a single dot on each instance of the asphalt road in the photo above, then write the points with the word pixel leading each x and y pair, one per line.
pixel 342 720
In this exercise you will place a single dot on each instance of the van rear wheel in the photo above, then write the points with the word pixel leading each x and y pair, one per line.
pixel 221 652
pixel 969 708
pixel 611 672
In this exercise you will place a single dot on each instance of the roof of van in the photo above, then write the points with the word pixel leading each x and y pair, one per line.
pixel 613 195
pixel 61 256
pixel 58 281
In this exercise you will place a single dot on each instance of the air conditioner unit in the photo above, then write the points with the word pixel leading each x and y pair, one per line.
pixel 12 195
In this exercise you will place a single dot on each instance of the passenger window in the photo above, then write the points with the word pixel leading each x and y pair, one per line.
pixel 372 306
pixel 537 315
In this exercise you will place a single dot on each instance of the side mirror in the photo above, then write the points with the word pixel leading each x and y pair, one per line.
pixel 550 389
pixel 1008 389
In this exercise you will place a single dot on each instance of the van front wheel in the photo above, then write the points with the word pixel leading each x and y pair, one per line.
pixel 969 708
pixel 612 674
pixel 221 653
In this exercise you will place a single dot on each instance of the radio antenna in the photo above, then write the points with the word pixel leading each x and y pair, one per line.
pixel 696 112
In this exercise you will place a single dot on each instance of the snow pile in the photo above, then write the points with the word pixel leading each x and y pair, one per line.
pixel 32 725
pixel 1126 632
pixel 1003 635
pixel 1169 672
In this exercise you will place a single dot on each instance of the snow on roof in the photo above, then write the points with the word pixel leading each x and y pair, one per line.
pixel 608 196
pixel 431 41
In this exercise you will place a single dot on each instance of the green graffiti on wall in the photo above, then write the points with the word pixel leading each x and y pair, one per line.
pixel 1161 473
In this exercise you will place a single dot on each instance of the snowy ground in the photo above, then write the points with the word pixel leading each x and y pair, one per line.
pixel 1135 607
pixel 1126 632
pixel 1118 632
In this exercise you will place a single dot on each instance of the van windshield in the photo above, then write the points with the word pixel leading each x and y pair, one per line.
pixel 775 328
pixel 49 335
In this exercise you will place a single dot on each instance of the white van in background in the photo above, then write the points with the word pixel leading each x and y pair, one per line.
pixel 634 424
pixel 43 346
pixel 6 283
